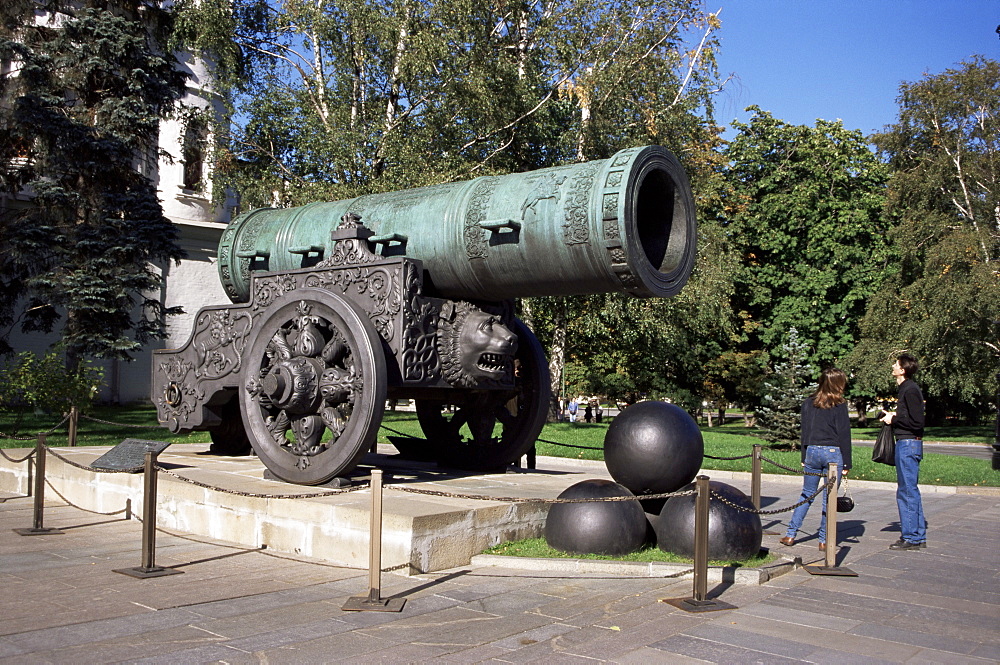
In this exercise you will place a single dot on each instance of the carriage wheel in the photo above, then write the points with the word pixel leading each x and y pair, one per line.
pixel 314 389
pixel 488 430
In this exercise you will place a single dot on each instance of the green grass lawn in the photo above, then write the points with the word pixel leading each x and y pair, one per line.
pixel 577 440
pixel 538 548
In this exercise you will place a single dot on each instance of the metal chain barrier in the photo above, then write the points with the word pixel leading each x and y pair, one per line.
pixel 257 495
pixel 108 422
pixel 4 435
pixel 757 511
pixel 17 461
pixel 35 436
pixel 801 472
pixel 511 499
pixel 396 431
pixel 66 460
pixel 569 445
pixel 126 509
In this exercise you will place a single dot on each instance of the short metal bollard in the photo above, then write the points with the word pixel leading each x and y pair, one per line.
pixel 38 528
pixel 830 566
pixel 372 602
pixel 755 472
pixel 149 567
pixel 74 424
pixel 699 601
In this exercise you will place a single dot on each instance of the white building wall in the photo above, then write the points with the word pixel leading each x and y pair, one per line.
pixel 194 283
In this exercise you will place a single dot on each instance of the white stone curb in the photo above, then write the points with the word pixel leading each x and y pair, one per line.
pixel 716 574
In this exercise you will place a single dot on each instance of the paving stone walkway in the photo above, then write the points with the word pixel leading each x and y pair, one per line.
pixel 61 602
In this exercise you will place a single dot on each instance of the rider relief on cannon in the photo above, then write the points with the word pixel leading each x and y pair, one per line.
pixel 338 306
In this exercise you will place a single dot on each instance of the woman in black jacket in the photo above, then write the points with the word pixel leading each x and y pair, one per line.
pixel 826 438
pixel 908 427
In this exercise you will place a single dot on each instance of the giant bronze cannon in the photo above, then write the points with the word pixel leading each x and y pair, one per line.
pixel 338 306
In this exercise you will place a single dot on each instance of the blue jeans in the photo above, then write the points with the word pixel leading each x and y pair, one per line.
pixel 818 458
pixel 909 452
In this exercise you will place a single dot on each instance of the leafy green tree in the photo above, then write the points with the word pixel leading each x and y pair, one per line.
pixel 805 215
pixel 780 413
pixel 81 107
pixel 350 98
pixel 32 382
pixel 942 300
pixel 737 378
pixel 658 347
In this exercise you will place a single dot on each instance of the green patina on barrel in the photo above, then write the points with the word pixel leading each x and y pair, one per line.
pixel 622 224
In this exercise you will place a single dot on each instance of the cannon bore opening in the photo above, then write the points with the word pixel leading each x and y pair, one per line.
pixel 661 240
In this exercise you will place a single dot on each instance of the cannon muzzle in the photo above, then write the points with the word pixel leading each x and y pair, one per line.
pixel 621 224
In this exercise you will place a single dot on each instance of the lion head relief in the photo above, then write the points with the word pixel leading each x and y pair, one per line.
pixel 475 347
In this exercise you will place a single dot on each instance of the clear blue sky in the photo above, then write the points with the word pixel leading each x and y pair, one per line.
pixel 842 59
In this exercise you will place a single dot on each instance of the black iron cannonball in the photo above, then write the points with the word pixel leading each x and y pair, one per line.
pixel 653 448
pixel 596 527
pixel 732 533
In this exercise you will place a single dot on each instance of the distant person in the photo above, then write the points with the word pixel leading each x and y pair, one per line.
pixel 588 413
pixel 599 411
pixel 908 427
pixel 571 409
pixel 826 439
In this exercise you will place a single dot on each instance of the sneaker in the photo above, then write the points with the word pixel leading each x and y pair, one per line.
pixel 907 545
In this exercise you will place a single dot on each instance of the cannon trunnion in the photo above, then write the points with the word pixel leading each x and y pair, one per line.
pixel 339 306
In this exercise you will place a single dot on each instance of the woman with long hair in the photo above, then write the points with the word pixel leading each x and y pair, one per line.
pixel 826 438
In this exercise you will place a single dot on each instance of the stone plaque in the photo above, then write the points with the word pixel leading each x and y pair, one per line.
pixel 129 455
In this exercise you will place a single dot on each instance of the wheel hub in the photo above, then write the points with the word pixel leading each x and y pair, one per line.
pixel 293 385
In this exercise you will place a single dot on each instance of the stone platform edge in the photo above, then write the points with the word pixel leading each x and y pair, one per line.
pixel 683 571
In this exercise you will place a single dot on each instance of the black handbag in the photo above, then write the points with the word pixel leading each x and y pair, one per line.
pixel 884 451
pixel 845 504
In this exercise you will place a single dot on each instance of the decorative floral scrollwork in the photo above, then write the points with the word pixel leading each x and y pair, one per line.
pixel 220 338
pixel 268 288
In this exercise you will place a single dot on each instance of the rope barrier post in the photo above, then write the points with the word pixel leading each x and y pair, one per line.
pixel 372 602
pixel 832 481
pixel 74 421
pixel 699 601
pixel 755 477
pixel 830 566
pixel 149 567
pixel 38 528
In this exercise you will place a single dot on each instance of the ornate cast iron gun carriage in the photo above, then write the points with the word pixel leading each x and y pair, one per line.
pixel 339 306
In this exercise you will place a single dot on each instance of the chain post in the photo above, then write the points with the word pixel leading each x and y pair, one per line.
pixel 38 512
pixel 833 490
pixel 375 540
pixel 373 601
pixel 74 421
pixel 701 538
pixel 699 601
pixel 149 512
pixel 149 567
pixel 830 566
pixel 755 477
pixel 39 507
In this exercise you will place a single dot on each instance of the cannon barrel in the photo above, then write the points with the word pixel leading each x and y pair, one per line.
pixel 622 224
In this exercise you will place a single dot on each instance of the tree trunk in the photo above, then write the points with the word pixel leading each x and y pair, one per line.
pixel 862 407
pixel 557 359
pixel 527 314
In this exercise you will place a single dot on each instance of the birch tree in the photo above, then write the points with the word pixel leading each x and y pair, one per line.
pixel 942 300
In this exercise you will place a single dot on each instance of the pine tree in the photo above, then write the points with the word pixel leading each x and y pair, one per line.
pixel 780 412
pixel 82 227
